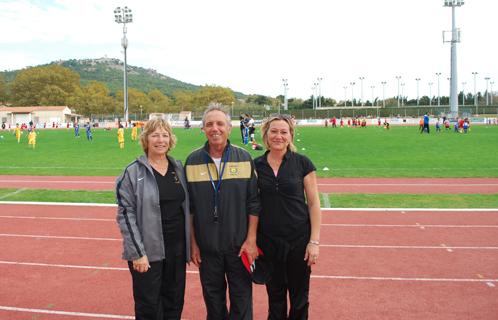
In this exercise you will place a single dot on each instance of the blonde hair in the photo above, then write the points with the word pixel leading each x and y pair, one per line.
pixel 153 125
pixel 266 126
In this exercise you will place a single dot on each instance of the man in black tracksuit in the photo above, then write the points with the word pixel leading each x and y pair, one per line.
pixel 225 218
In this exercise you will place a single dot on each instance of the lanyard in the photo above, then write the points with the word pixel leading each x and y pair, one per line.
pixel 217 186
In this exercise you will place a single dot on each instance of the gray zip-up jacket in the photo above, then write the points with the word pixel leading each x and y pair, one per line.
pixel 139 211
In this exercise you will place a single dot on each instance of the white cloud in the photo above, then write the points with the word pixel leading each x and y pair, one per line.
pixel 250 46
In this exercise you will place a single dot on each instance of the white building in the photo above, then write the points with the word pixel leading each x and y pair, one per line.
pixel 39 115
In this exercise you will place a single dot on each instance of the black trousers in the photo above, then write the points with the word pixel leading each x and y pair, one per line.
pixel 218 269
pixel 291 276
pixel 159 292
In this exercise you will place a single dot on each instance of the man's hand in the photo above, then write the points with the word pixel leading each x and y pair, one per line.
pixel 195 253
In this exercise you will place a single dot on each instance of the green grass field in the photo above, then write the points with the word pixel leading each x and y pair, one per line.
pixel 346 152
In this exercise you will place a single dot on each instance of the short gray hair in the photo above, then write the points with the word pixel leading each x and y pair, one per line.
pixel 216 107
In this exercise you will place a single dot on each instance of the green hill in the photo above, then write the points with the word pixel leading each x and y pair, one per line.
pixel 110 72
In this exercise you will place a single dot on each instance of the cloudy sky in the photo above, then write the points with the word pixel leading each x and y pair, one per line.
pixel 250 46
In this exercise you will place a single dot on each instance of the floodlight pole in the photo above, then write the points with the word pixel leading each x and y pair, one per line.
pixel 487 90
pixel 319 102
pixel 398 78
pixel 438 92
pixel 361 90
pixel 345 94
pixel 492 83
pixel 124 16
pixel 402 94
pixel 383 94
pixel 418 96
pixel 475 91
pixel 463 93
pixel 286 84
pixel 455 38
pixel 352 93
pixel 430 94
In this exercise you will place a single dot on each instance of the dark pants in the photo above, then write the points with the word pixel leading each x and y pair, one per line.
pixel 215 270
pixel 292 276
pixel 159 292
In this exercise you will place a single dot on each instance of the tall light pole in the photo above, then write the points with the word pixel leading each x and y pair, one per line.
pixel 463 93
pixel 319 79
pixel 455 38
pixel 438 91
pixel 418 96
pixel 345 94
pixel 398 78
pixel 402 94
pixel 492 83
pixel 430 94
pixel 361 89
pixel 383 94
pixel 286 84
pixel 372 87
pixel 475 90
pixel 124 16
pixel 487 90
pixel 352 93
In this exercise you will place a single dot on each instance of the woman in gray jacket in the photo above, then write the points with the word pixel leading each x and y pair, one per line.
pixel 153 216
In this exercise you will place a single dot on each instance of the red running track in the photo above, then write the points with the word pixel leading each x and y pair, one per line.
pixel 326 185
pixel 373 265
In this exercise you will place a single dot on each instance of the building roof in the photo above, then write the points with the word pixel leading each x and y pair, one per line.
pixel 32 109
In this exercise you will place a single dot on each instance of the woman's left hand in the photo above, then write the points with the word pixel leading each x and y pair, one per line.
pixel 312 253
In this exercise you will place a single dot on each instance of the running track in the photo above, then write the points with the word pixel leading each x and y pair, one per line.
pixel 63 262
pixel 325 185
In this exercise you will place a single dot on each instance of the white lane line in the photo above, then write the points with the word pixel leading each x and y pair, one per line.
pixel 404 279
pixel 411 184
pixel 312 276
pixel 57 218
pixel 360 246
pixel 73 204
pixel 5 196
pixel 67 313
pixel 56 237
pixel 323 209
pixel 347 225
pixel 360 210
pixel 59 181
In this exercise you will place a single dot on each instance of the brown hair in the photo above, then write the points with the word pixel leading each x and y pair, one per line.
pixel 153 125
pixel 279 117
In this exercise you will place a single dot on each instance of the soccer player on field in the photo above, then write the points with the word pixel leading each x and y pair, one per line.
pixel 18 133
pixel 32 138
pixel 134 132
pixel 121 136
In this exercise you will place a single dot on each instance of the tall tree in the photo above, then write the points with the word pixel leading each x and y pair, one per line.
pixel 49 85
pixel 159 102
pixel 95 99
pixel 3 90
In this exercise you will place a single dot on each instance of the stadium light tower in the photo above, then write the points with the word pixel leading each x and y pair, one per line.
pixel 438 92
pixel 352 93
pixel 398 78
pixel 418 96
pixel 345 94
pixel 361 89
pixel 474 73
pixel 463 93
pixel 402 94
pixel 430 94
pixel 124 16
pixel 455 38
pixel 492 83
pixel 319 103
pixel 383 94
pixel 487 90
pixel 286 87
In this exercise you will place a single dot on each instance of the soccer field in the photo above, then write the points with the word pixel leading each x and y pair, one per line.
pixel 339 152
